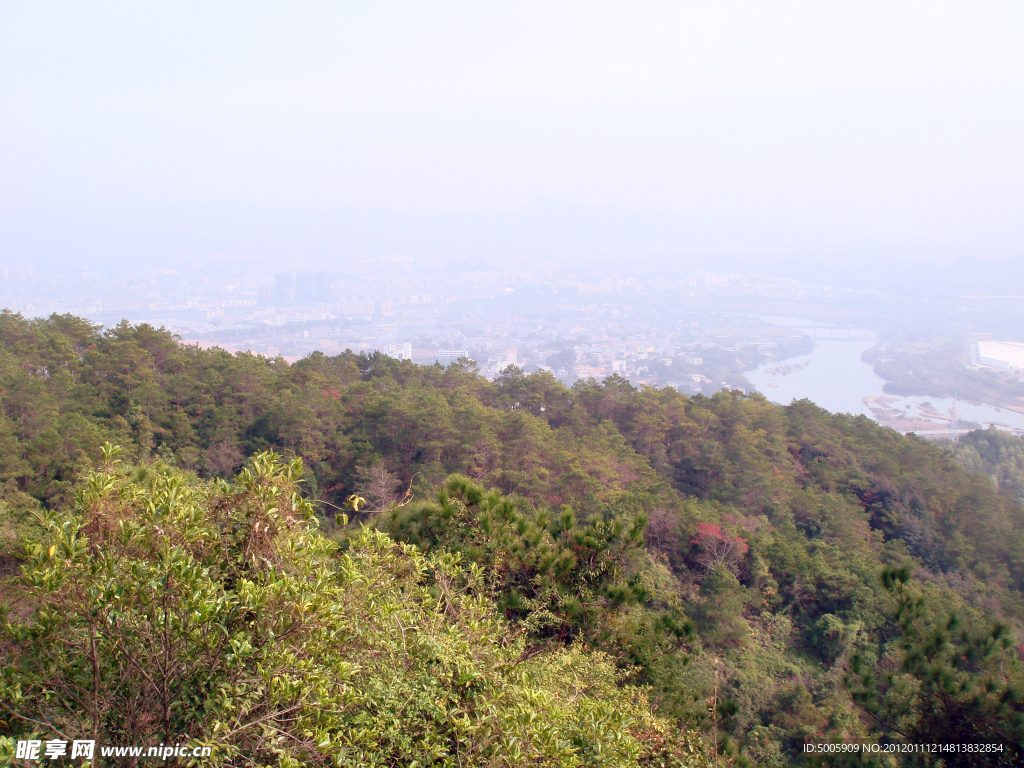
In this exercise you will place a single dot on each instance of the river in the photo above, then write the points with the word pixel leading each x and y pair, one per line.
pixel 834 376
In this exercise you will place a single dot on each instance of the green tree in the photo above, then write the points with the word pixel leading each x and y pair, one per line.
pixel 555 575
pixel 168 609
pixel 956 684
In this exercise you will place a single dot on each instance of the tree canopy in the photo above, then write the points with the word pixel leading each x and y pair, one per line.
pixel 725 554
pixel 169 609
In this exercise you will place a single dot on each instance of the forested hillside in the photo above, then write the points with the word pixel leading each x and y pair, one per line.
pixel 773 576
pixel 996 454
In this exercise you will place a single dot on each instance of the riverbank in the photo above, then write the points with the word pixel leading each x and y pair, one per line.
pixel 835 376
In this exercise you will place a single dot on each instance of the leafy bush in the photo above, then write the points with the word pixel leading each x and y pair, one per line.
pixel 168 608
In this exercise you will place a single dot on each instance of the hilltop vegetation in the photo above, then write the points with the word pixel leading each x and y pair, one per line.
pixel 996 454
pixel 171 609
pixel 723 553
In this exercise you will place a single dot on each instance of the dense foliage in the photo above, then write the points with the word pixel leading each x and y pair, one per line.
pixel 996 454
pixel 955 683
pixel 556 577
pixel 724 552
pixel 170 610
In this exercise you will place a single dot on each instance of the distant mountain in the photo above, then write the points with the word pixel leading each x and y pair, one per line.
pixel 543 231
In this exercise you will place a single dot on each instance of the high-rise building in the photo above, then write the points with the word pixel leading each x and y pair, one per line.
pixel 323 286
pixel 283 292
pixel 305 288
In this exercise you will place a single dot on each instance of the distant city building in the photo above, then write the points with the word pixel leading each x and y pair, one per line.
pixel 693 360
pixel 509 359
pixel 399 351
pixel 283 290
pixel 1008 355
pixel 17 272
pixel 355 307
pixel 305 288
pixel 122 304
pixel 445 356
pixel 618 366
pixel 324 291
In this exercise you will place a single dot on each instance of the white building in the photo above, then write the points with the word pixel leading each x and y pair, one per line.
pixel 399 351
pixel 445 356
pixel 1008 355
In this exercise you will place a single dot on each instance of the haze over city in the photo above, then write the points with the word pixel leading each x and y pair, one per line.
pixel 585 189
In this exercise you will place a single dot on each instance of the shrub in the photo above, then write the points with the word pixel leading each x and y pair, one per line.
pixel 169 609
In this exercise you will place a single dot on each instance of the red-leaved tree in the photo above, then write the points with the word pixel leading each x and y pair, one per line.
pixel 716 547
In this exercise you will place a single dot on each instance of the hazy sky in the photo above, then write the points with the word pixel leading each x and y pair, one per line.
pixel 892 121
